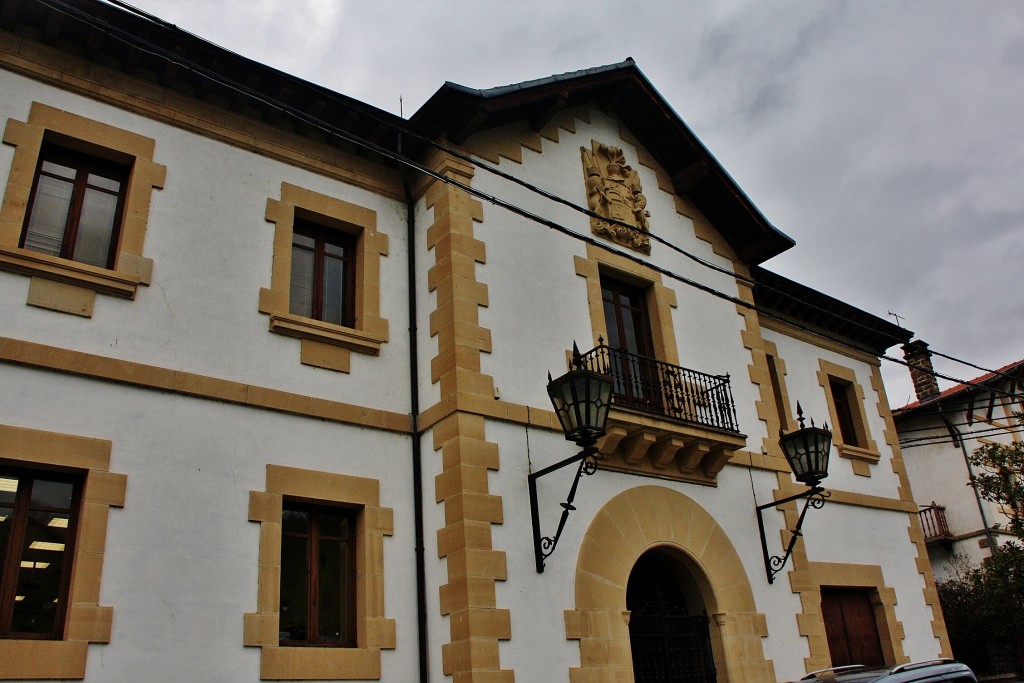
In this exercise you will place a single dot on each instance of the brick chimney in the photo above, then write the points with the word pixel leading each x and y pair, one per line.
pixel 919 358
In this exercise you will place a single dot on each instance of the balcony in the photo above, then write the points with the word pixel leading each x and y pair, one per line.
pixel 655 387
pixel 933 524
pixel 666 421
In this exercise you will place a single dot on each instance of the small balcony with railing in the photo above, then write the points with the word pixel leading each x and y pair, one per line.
pixel 666 420
pixel 933 524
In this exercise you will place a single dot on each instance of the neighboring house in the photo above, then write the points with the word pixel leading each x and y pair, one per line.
pixel 270 397
pixel 937 434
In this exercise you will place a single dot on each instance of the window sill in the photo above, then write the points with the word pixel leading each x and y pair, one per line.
pixel 120 283
pixel 857 453
pixel 326 333
pixel 320 663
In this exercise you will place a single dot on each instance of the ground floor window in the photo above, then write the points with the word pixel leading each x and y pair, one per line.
pixel 317 575
pixel 38 516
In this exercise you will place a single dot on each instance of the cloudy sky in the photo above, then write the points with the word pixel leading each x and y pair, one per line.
pixel 885 136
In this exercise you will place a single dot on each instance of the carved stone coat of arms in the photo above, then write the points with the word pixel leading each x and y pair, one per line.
pixel 615 194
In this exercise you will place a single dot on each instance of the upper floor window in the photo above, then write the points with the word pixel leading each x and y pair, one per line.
pixel 844 411
pixel 625 314
pixel 76 207
pixel 318 575
pixel 325 281
pixel 631 349
pixel 37 530
pixel 323 274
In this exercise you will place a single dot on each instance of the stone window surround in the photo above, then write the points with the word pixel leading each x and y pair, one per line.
pixel 861 457
pixel 62 284
pixel 324 344
pixel 87 621
pixel 373 631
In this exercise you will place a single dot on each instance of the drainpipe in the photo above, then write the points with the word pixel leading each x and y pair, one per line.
pixel 414 413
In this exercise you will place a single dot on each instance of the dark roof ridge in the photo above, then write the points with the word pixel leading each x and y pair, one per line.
pixel 499 90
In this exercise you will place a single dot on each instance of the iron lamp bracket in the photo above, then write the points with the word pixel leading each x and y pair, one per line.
pixel 773 564
pixel 543 546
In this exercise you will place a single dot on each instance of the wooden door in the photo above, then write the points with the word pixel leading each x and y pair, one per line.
pixel 851 627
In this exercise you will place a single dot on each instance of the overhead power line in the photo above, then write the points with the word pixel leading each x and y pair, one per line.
pixel 945 439
pixel 332 130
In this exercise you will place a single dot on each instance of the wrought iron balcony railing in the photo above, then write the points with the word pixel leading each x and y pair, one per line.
pixel 933 523
pixel 659 388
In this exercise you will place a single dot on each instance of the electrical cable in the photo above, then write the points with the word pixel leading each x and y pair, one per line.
pixel 533 188
pixel 943 442
pixel 941 439
pixel 355 140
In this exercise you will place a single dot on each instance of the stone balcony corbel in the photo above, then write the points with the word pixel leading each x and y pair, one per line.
pixel 644 444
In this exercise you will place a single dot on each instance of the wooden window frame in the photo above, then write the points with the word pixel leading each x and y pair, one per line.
pixel 324 344
pixel 313 537
pixel 323 236
pixel 84 165
pixel 374 631
pixel 58 283
pixel 10 568
pixel 642 323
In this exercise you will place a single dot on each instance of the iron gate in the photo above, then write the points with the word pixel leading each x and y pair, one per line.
pixel 669 646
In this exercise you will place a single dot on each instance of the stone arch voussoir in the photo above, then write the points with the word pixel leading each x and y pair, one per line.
pixel 629 524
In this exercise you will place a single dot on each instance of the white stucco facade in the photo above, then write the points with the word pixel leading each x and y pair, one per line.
pixel 216 406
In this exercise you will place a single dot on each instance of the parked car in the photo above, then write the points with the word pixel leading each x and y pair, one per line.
pixel 931 671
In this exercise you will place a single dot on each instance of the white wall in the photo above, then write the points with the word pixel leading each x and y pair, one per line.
pixel 181 556
pixel 212 252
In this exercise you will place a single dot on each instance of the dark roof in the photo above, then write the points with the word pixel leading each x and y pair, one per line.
pixel 153 50
pixel 457 112
pixel 806 307
pixel 959 391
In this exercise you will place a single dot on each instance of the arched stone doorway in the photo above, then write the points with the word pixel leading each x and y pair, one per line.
pixel 656 517
pixel 669 630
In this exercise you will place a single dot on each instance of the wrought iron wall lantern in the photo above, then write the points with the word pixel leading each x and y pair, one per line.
pixel 807 451
pixel 581 399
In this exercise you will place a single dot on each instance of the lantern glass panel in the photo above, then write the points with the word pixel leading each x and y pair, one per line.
pixel 581 399
pixel 807 451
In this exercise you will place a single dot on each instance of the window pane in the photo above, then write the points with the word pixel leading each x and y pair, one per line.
pixel 334 524
pixel 629 331
pixel 49 216
pixel 104 183
pixel 331 589
pixel 95 228
pixel 52 494
pixel 332 249
pixel 295 522
pixel 294 589
pixel 8 489
pixel 39 575
pixel 301 302
pixel 334 291
pixel 58 169
pixel 611 322
pixel 301 239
